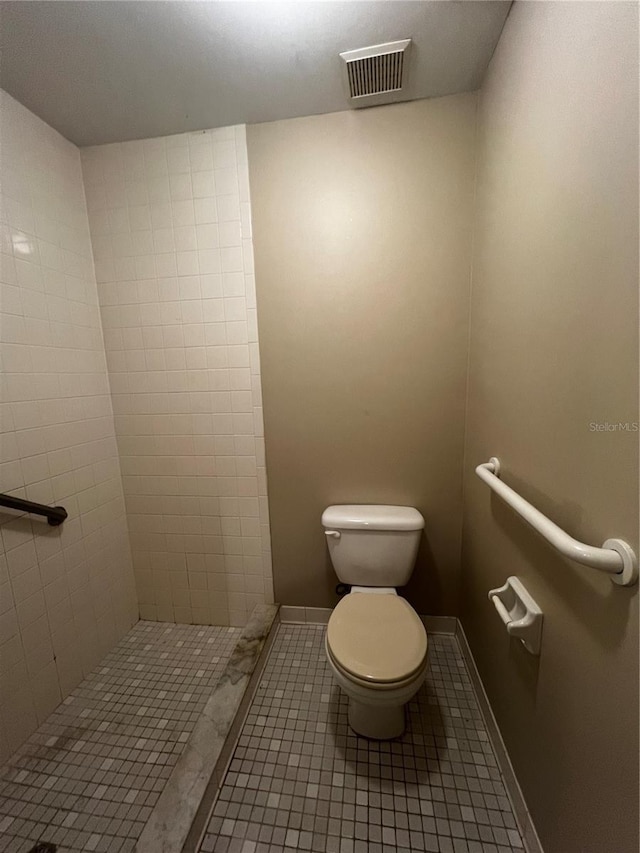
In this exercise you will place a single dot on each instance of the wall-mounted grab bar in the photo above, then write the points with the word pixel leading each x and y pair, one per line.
pixel 55 515
pixel 616 556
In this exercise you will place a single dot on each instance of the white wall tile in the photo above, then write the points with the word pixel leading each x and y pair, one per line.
pixel 67 593
pixel 170 225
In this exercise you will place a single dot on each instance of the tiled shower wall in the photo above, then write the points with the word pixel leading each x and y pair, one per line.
pixel 171 229
pixel 66 593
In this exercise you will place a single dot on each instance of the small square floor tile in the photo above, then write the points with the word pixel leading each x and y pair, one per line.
pixel 93 771
pixel 437 788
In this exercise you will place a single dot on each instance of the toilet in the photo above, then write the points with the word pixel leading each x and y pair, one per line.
pixel 376 643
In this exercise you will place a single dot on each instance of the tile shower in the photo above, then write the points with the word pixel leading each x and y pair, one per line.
pixel 67 594
pixel 175 301
pixel 158 329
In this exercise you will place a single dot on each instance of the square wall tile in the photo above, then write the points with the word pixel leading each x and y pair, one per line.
pixel 67 592
pixel 176 285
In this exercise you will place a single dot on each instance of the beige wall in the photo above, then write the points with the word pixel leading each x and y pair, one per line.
pixel 66 593
pixel 362 234
pixel 554 347
pixel 171 230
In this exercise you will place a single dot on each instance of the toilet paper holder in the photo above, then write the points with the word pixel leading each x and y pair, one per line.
pixel 520 613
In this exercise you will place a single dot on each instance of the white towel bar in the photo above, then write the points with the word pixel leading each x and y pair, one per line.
pixel 616 556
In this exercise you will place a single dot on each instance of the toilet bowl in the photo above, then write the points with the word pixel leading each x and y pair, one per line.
pixel 376 644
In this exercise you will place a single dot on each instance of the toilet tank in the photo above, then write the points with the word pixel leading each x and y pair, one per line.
pixel 373 545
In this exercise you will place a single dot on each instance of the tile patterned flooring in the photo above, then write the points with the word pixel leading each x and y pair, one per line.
pixel 88 779
pixel 299 779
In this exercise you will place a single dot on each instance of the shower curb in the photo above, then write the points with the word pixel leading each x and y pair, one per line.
pixel 201 767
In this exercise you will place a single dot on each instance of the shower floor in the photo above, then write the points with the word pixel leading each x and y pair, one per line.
pixel 88 779
pixel 299 779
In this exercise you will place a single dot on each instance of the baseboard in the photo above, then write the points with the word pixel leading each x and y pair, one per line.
pixel 514 792
pixel 308 615
pixel 440 624
pixel 320 616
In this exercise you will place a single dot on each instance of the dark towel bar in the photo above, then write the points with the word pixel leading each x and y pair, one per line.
pixel 55 515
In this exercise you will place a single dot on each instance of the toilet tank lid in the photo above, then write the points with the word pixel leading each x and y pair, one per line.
pixel 372 517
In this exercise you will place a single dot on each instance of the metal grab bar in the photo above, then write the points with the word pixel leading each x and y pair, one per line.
pixel 616 556
pixel 55 515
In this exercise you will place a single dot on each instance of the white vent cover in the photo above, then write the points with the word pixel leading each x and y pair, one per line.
pixel 376 75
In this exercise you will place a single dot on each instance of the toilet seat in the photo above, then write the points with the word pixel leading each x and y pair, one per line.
pixel 377 640
pixel 380 688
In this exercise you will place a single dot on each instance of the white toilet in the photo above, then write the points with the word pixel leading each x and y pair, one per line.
pixel 376 643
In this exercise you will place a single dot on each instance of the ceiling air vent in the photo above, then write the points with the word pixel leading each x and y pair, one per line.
pixel 376 75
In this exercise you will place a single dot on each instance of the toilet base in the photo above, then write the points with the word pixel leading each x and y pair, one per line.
pixel 377 714
pixel 376 722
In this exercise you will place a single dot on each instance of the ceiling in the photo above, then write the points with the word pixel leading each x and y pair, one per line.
pixel 112 71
